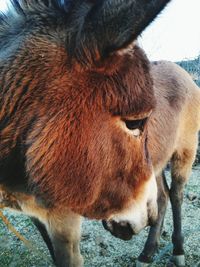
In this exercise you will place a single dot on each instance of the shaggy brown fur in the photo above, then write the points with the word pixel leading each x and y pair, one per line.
pixel 75 97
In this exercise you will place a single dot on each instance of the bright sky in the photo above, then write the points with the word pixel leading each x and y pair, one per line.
pixel 174 35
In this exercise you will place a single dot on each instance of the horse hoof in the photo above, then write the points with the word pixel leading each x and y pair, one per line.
pixel 141 264
pixel 177 261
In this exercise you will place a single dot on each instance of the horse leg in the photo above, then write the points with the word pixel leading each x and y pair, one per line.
pixel 43 231
pixel 181 167
pixel 64 233
pixel 153 239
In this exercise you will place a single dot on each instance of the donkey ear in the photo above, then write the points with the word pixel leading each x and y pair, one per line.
pixel 111 25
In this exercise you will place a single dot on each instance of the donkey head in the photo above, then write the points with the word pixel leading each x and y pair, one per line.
pixel 115 74
pixel 106 96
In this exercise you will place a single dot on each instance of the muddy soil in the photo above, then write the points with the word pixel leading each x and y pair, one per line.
pixel 98 247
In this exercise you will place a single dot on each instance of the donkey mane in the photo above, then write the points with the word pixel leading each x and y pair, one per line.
pixel 25 18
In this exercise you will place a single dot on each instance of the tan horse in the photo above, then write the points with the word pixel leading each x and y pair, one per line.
pixel 76 94
pixel 172 136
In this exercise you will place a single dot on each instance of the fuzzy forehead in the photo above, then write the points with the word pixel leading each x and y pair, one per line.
pixel 125 85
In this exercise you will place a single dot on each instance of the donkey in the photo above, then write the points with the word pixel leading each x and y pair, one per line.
pixel 172 136
pixel 76 94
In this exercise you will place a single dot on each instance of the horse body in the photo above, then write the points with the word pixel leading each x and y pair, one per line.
pixel 172 137
pixel 175 121
pixel 180 105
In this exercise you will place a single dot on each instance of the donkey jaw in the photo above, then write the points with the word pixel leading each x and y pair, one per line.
pixel 141 213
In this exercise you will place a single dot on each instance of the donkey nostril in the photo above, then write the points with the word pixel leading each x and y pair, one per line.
pixel 122 230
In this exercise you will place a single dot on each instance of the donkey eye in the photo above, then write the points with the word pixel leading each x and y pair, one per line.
pixel 136 126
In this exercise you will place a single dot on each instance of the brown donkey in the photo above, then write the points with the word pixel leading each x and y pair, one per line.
pixel 76 94
pixel 172 136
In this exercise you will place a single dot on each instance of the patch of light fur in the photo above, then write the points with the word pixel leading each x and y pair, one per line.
pixel 137 214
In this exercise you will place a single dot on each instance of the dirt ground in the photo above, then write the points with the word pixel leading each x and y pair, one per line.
pixel 98 247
